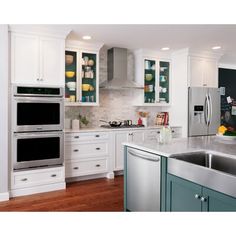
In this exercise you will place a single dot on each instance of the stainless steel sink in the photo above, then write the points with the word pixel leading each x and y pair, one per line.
pixel 217 172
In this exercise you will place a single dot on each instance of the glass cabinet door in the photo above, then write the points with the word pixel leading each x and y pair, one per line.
pixel 149 81
pixel 164 77
pixel 88 78
pixel 70 76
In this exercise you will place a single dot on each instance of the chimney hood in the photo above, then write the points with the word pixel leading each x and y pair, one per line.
pixel 117 70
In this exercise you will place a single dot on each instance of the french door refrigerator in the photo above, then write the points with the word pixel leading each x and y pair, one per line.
pixel 203 111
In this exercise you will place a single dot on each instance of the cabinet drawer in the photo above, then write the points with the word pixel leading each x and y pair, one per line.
pixel 83 137
pixel 176 132
pixel 86 150
pixel 37 177
pixel 79 168
pixel 151 135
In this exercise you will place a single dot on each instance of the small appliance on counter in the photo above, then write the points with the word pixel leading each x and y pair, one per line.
pixel 37 127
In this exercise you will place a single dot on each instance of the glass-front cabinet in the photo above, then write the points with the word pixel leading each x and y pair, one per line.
pixel 153 74
pixel 81 77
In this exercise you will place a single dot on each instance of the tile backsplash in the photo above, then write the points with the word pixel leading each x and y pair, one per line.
pixel 114 104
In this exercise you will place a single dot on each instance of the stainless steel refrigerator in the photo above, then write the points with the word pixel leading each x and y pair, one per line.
pixel 203 111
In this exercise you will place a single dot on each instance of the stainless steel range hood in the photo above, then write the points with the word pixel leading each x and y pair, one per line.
pixel 117 70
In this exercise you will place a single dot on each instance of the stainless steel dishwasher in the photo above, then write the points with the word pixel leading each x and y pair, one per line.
pixel 142 181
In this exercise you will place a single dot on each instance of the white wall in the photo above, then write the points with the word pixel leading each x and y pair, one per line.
pixel 3 112
pixel 179 107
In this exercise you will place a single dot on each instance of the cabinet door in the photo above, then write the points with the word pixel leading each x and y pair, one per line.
pixel 120 137
pixel 138 136
pixel 52 61
pixel 182 195
pixel 215 201
pixel 211 73
pixel 196 71
pixel 24 59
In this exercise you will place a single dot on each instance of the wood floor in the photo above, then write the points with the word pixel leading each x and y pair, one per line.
pixel 90 195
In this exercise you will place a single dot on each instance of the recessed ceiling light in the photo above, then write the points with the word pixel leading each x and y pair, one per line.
pixel 216 47
pixel 165 49
pixel 86 37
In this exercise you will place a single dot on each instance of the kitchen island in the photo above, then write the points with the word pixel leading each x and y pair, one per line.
pixel 196 174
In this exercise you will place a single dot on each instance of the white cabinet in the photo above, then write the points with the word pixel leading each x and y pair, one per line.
pixel 203 72
pixel 87 153
pixel 37 59
pixel 121 137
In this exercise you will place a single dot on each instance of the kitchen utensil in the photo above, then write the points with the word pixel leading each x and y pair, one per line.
pixel 70 74
pixel 85 87
pixel 148 77
pixel 71 86
pixel 127 122
pixel 112 123
pixel 69 59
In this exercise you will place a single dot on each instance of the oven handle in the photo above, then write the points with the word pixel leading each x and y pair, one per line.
pixel 38 134
pixel 38 99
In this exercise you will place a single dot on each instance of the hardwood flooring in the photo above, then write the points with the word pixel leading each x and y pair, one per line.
pixel 89 195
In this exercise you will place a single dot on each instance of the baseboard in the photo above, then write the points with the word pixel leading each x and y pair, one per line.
pixel 119 172
pixel 4 196
pixel 37 189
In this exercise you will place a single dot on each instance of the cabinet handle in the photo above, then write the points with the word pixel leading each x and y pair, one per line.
pixel 76 168
pixel 25 179
pixel 204 84
pixel 197 196
pixel 53 175
pixel 76 150
pixel 37 79
pixel 98 165
pixel 97 135
pixel 158 132
pixel 172 131
pixel 131 134
pixel 76 136
pixel 203 199
pixel 98 148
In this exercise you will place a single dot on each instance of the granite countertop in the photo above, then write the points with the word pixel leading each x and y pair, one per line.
pixel 102 129
pixel 182 145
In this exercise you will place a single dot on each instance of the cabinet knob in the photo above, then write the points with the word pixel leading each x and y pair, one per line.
pixel 98 165
pixel 37 79
pixel 76 168
pixel 53 175
pixel 172 131
pixel 76 136
pixel 158 132
pixel 98 148
pixel 97 135
pixel 204 84
pixel 203 199
pixel 197 196
pixel 76 150
pixel 25 179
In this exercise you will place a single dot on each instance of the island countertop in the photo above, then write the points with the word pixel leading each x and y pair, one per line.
pixel 213 144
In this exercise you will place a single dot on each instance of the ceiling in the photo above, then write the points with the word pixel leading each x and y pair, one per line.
pixel 199 37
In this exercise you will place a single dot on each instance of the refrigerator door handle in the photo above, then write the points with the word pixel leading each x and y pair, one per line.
pixel 210 109
pixel 206 110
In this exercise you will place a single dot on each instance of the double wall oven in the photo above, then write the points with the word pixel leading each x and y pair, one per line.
pixel 37 125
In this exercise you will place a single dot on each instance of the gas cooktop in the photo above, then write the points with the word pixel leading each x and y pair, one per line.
pixel 122 126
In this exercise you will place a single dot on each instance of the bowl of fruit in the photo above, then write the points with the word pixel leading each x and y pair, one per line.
pixel 226 133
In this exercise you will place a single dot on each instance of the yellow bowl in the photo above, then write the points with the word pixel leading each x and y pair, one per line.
pixel 70 74
pixel 85 87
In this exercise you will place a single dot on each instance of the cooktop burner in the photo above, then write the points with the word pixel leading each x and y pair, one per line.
pixel 122 126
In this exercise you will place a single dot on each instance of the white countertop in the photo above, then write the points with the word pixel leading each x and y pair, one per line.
pixel 102 129
pixel 193 144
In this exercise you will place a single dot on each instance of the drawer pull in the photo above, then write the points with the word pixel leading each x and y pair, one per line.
pixel 97 135
pixel 76 136
pixel 158 132
pixel 76 168
pixel 172 131
pixel 53 175
pixel 98 148
pixel 25 179
pixel 98 165
pixel 76 150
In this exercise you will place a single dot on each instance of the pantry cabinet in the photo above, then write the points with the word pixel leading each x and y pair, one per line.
pixel 37 59
pixel 154 74
pixel 184 195
pixel 81 74
pixel 203 72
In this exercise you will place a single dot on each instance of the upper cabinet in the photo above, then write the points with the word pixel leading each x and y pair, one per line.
pixel 153 74
pixel 37 59
pixel 203 71
pixel 81 74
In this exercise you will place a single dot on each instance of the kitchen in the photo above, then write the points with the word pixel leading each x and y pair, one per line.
pixel 93 149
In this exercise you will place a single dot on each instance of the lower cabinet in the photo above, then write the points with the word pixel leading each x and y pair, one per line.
pixel 184 195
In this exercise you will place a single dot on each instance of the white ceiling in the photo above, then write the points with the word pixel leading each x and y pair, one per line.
pixel 201 37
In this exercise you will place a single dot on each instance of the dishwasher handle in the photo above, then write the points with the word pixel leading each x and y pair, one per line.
pixel 144 156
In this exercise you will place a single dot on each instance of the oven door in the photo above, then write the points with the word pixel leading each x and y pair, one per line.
pixel 37 114
pixel 37 149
